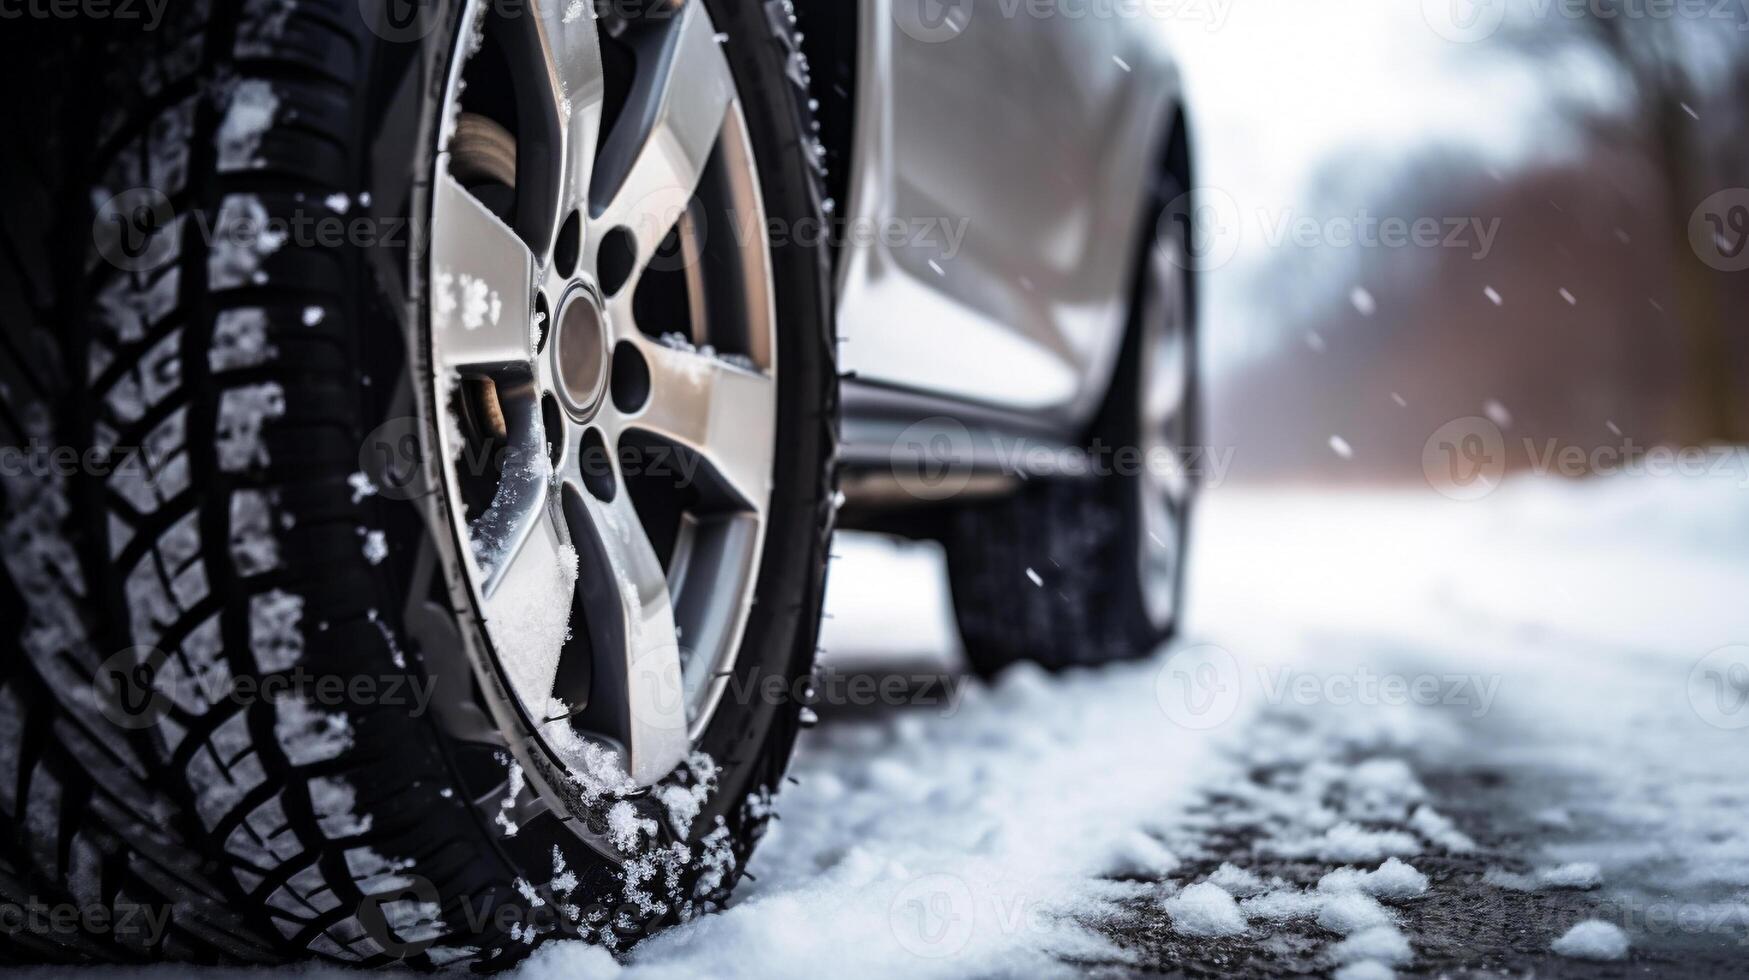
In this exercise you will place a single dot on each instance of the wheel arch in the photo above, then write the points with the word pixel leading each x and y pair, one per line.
pixel 1180 166
pixel 1171 178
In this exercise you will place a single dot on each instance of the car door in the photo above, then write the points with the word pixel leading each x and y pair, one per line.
pixel 1002 149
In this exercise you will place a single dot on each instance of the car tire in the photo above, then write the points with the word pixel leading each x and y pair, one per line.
pixel 1053 574
pixel 252 420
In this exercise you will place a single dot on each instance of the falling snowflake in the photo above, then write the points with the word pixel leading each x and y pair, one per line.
pixel 1363 301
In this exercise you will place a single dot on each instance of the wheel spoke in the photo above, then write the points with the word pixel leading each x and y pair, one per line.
pixel 482 282
pixel 1165 486
pixel 571 47
pixel 726 413
pixel 712 596
pixel 1164 313
pixel 636 695
pixel 653 160
pixel 1166 375
pixel 530 598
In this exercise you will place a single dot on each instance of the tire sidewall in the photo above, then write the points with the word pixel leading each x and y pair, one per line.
pixel 777 650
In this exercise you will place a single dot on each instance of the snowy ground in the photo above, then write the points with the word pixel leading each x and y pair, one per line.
pixel 1513 699
pixel 1401 733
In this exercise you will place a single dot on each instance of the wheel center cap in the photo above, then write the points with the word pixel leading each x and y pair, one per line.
pixel 580 346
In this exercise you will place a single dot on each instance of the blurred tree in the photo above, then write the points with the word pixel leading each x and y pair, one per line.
pixel 1686 74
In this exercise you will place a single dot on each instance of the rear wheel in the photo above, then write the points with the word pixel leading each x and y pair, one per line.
pixel 452 393
pixel 1085 570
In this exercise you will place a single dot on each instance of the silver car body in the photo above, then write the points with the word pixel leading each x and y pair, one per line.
pixel 1030 134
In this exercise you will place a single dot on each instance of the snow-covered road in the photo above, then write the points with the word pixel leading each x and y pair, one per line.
pixel 1400 734
pixel 1511 717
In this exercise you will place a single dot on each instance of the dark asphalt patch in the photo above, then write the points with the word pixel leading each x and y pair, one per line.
pixel 1461 927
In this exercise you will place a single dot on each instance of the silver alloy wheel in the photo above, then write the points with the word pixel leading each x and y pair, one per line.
pixel 1164 403
pixel 609 651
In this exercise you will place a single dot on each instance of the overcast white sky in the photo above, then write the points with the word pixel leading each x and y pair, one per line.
pixel 1283 90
